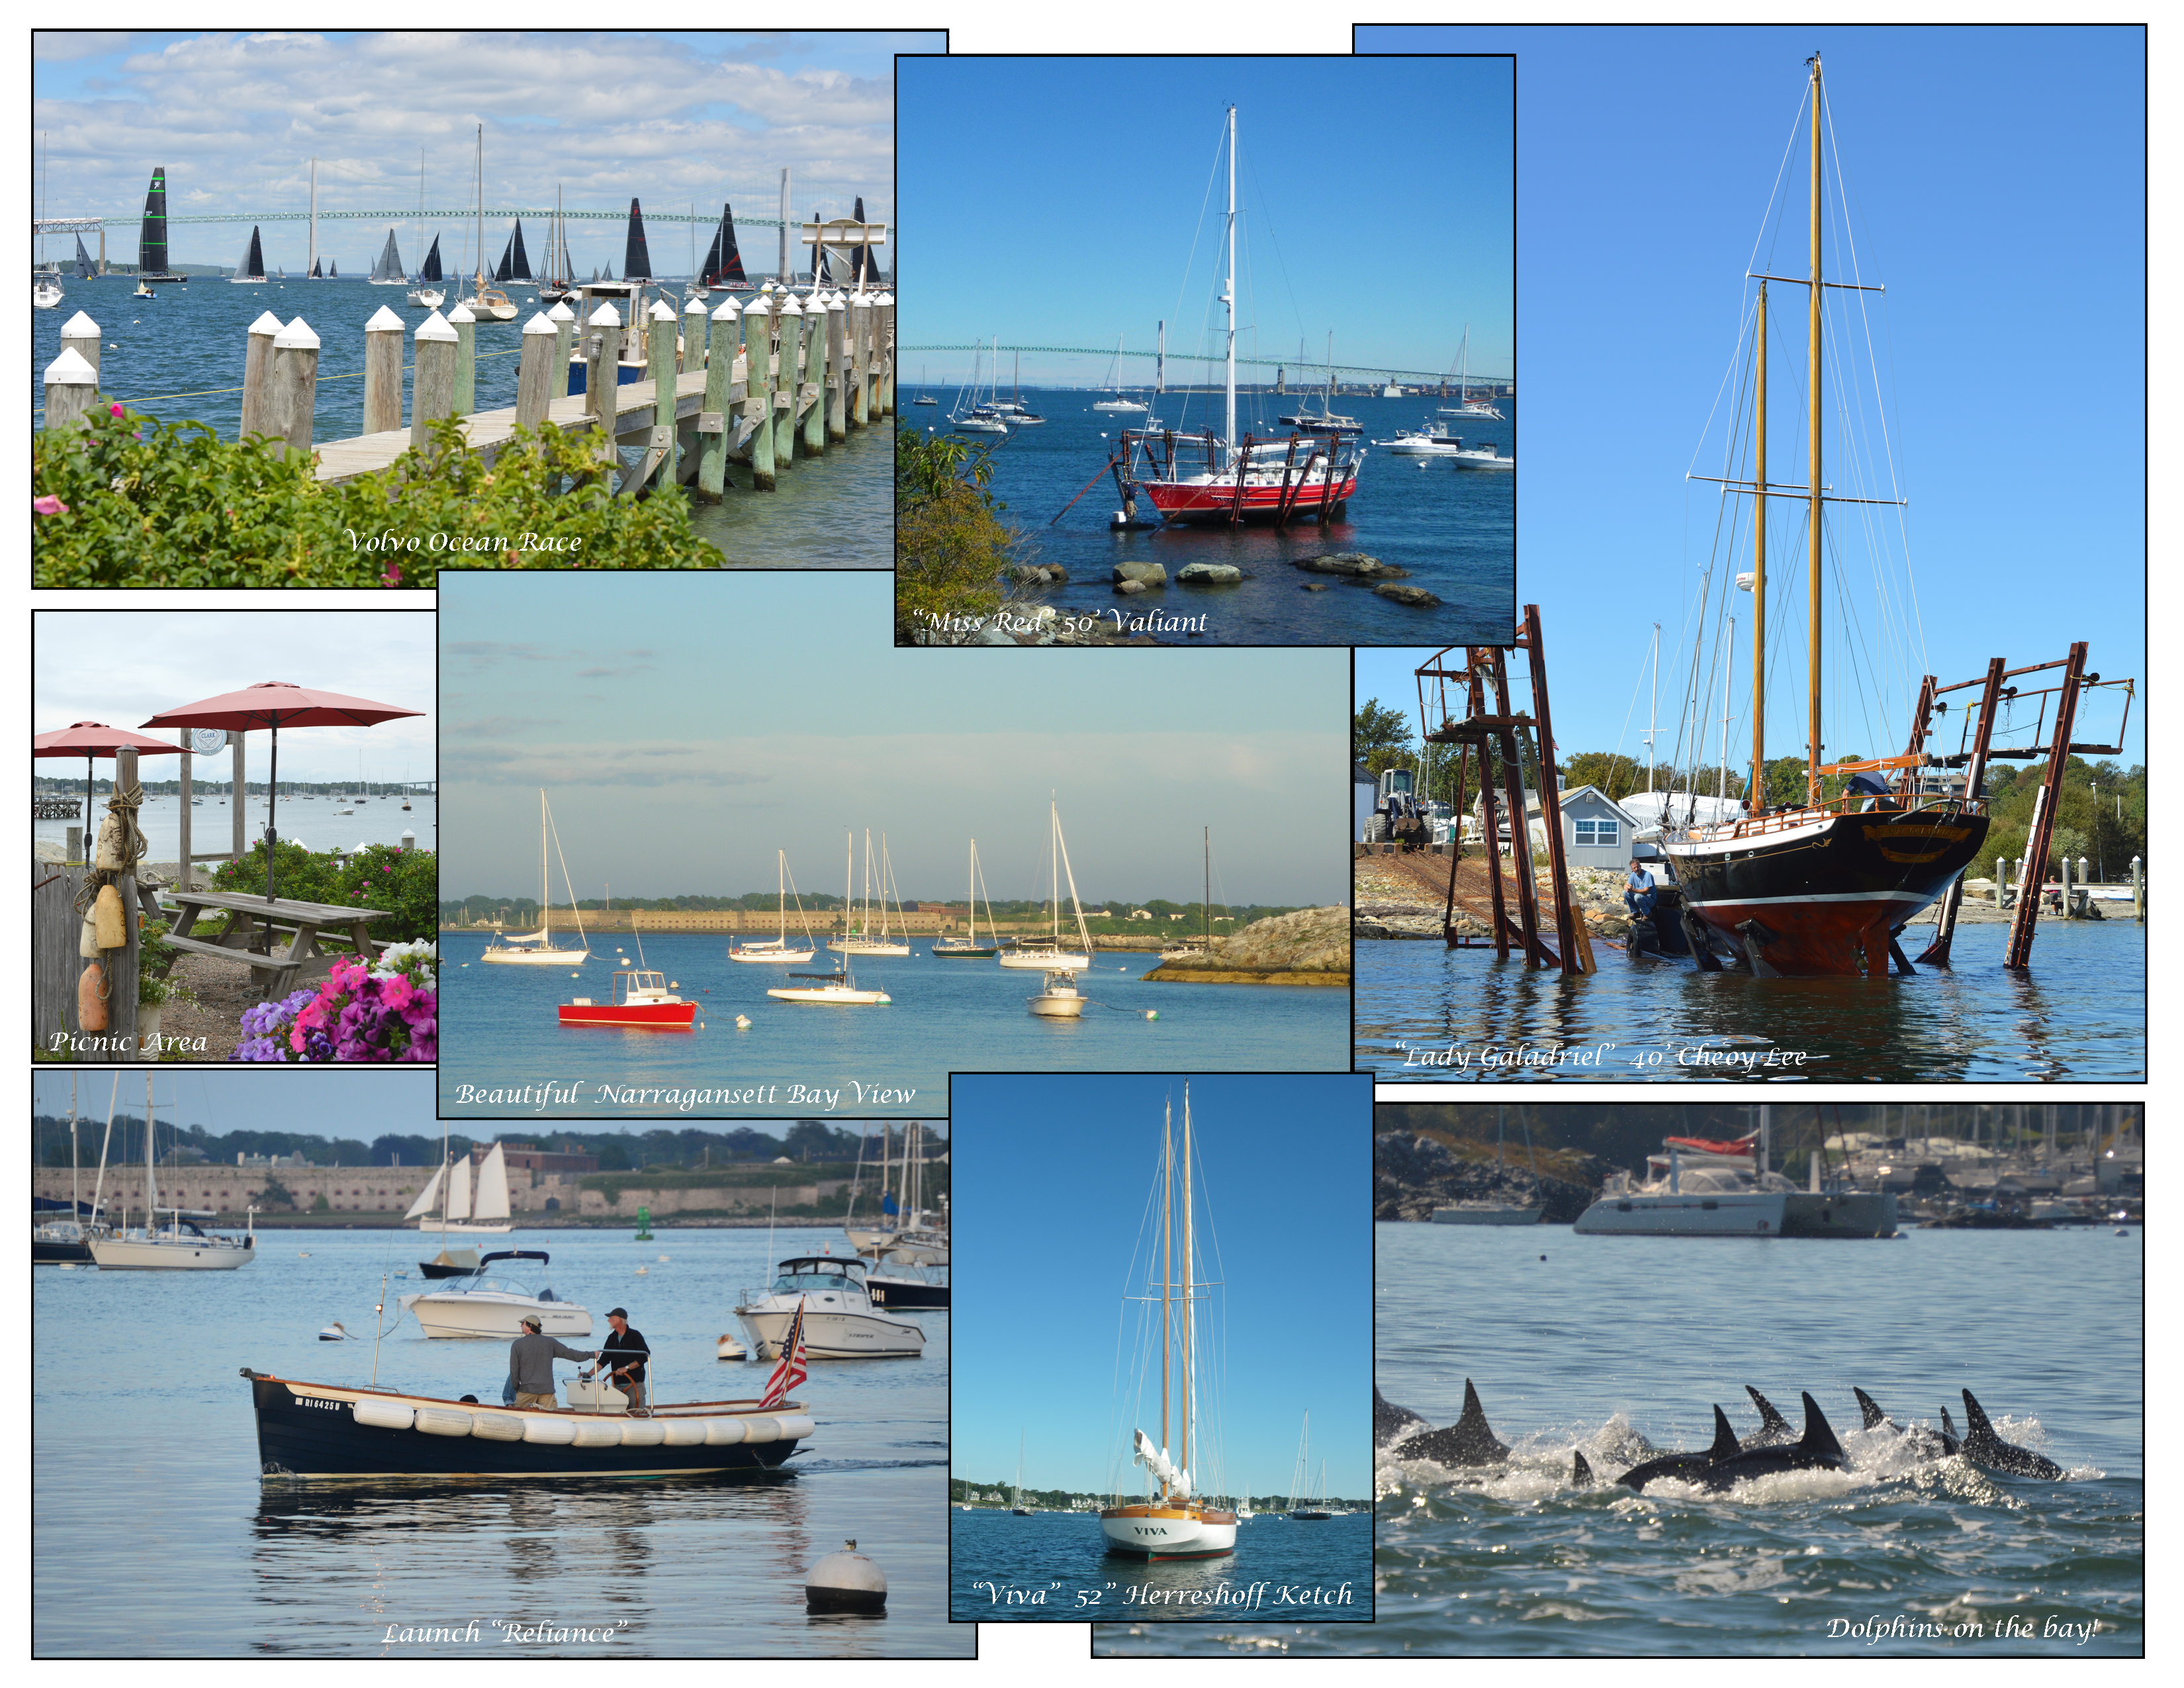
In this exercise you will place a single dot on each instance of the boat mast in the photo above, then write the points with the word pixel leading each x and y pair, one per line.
pixel 545 915
pixel 1229 289
pixel 1755 799
pixel 1729 671
pixel 1183 1460
pixel 477 281
pixel 1812 427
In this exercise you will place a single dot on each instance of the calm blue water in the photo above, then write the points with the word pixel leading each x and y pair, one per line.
pixel 316 824
pixel 1453 529
pixel 1280 1566
pixel 836 512
pixel 2078 1014
pixel 498 1029
pixel 155 1538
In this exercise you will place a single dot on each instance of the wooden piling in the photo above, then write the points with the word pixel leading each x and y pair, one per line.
pixel 713 413
pixel 860 317
pixel 564 325
pixel 692 347
pixel 80 334
pixel 872 359
pixel 182 865
pixel 2138 890
pixel 292 385
pixel 465 327
pixel 382 372
pixel 886 354
pixel 2001 881
pixel 816 317
pixel 602 352
pixel 790 318
pixel 758 356
pixel 432 393
pixel 534 379
pixel 2062 866
pixel 659 453
pixel 71 390
pixel 838 387
pixel 257 356
pixel 121 965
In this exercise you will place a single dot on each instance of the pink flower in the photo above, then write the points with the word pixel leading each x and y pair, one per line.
pixel 114 410
pixel 48 505
pixel 397 992
pixel 392 577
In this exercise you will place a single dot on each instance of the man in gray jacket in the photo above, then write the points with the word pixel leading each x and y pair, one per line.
pixel 531 1363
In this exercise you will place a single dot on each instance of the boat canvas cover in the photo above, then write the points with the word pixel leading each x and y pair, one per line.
pixel 253 260
pixel 636 261
pixel 431 272
pixel 1705 1146
pixel 151 245
pixel 389 267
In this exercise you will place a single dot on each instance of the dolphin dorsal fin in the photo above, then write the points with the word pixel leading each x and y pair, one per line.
pixel 1769 1419
pixel 1724 1439
pixel 1472 1431
pixel 1820 1438
pixel 1580 1473
pixel 1977 1431
pixel 1866 1405
pixel 1949 1426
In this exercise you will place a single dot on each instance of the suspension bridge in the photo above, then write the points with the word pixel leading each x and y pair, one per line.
pixel 1305 371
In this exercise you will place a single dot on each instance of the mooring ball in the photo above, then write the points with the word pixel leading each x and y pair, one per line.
pixel 845 1582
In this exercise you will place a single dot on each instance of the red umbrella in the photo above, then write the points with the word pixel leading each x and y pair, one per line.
pixel 89 738
pixel 277 704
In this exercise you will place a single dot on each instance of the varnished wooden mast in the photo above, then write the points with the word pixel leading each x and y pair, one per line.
pixel 1813 426
pixel 1183 1460
pixel 1167 1209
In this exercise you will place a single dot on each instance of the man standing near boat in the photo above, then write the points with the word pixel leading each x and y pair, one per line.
pixel 625 1353
pixel 531 1363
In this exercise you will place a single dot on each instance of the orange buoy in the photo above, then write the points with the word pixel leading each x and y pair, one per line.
pixel 90 1003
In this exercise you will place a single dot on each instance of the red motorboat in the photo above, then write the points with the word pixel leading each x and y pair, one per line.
pixel 640 998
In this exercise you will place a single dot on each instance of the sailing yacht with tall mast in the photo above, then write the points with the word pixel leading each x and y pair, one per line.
pixel 1186 950
pixel 969 945
pixel 388 271
pixel 179 1245
pixel 778 948
pixel 537 948
pixel 1466 406
pixel 424 289
pixel 836 989
pixel 1820 886
pixel 1046 954
pixel 862 942
pixel 1177 1521
pixel 1115 400
pixel 486 302
pixel 252 268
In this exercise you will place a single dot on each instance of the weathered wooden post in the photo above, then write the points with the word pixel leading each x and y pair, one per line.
pixel 871 361
pixel 432 394
pixel 256 359
pixel 860 317
pixel 714 425
pixel 602 353
pixel 692 347
pixel 887 354
pixel 71 389
pixel 534 378
pixel 382 372
pixel 815 318
pixel 758 387
pixel 80 334
pixel 659 455
pixel 838 379
pixel 2085 886
pixel 789 316
pixel 2138 890
pixel 465 327
pixel 564 326
pixel 121 964
pixel 292 385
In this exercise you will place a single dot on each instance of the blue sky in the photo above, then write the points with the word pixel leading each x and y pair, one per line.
pixel 670 117
pixel 1997 177
pixel 687 725
pixel 1052 1177
pixel 1054 201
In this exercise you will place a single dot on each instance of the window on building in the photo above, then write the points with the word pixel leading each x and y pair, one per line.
pixel 1604 832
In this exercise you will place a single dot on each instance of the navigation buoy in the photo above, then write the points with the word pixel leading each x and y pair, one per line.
pixel 333 1333
pixel 845 1582
pixel 742 1019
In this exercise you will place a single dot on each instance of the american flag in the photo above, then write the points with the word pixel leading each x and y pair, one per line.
pixel 790 1372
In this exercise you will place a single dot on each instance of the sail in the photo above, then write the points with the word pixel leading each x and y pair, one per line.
pixel 431 272
pixel 712 260
pixel 389 267
pixel 83 269
pixel 333 270
pixel 428 1196
pixel 862 270
pixel 637 262
pixel 501 272
pixel 609 275
pixel 728 266
pixel 151 245
pixel 459 1190
pixel 521 270
pixel 252 267
pixel 492 1188
pixel 314 275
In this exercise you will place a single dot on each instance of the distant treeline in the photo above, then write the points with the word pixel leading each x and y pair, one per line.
pixel 1236 916
pixel 48 786
pixel 808 1140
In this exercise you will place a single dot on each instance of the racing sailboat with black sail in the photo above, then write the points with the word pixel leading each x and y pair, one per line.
pixel 151 240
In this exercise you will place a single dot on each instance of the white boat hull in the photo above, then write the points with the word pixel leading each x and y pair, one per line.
pixel 537 958
pixel 1043 961
pixel 767 952
pixel 832 1336
pixel 1759 1214
pixel 1054 1005
pixel 465 1227
pixel 1165 1533
pixel 187 1253
pixel 491 1315
pixel 841 997
pixel 866 946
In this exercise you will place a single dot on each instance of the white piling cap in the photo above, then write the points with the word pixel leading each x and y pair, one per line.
pixel 757 307
pixel 661 311
pixel 297 337
pixel 267 323
pixel 78 328
pixel 605 316
pixel 435 327
pixel 726 311
pixel 561 313
pixel 884 298
pixel 70 369
pixel 695 307
pixel 540 323
pixel 836 302
pixel 461 313
pixel 383 320
pixel 790 308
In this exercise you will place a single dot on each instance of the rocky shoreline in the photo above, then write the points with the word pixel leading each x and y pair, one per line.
pixel 1411 1176
pixel 1310 947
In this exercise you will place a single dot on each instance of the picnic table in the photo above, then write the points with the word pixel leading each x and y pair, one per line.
pixel 255 924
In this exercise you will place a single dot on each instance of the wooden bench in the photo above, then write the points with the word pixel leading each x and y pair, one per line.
pixel 253 925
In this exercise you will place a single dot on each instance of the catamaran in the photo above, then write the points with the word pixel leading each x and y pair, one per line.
pixel 778 948
pixel 537 948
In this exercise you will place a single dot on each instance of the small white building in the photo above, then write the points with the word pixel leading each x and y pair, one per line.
pixel 1597 829
pixel 1363 792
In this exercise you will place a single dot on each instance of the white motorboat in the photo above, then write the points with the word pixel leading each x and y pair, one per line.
pixel 490 1303
pixel 180 1245
pixel 451 1209
pixel 1060 999
pixel 1046 955
pixel 778 948
pixel 1434 441
pixel 1177 1520
pixel 537 948
pixel 1487 456
pixel 838 990
pixel 862 942
pixel 839 1320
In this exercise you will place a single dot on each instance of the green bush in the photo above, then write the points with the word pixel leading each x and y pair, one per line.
pixel 951 543
pixel 146 503
pixel 405 883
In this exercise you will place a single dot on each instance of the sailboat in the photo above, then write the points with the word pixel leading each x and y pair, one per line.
pixel 424 290
pixel 486 302
pixel 637 256
pixel 537 948
pixel 1819 887
pixel 180 1245
pixel 45 291
pixel 1016 1502
pixel 1184 952
pixel 1325 421
pixel 969 944
pixel 862 943
pixel 776 948
pixel 559 283
pixel 837 987
pixel 152 238
pixel 1036 954
pixel 446 1205
pixel 388 272
pixel 1014 412
pixel 1177 1521
pixel 976 418
pixel 923 397
pixel 1300 1505
pixel 724 265
pixel 1243 478
pixel 1466 406
pixel 1114 385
